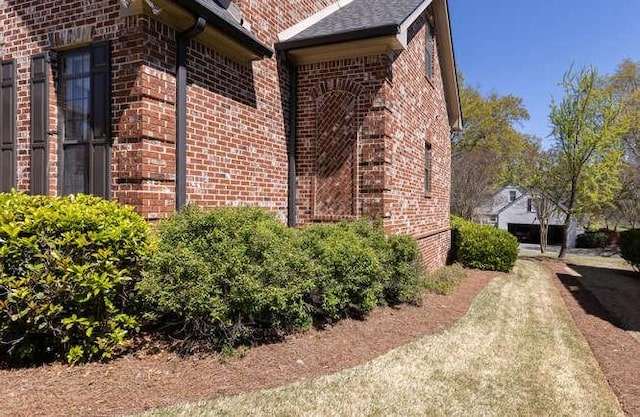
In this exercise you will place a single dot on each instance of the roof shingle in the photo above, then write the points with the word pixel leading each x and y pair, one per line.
pixel 359 17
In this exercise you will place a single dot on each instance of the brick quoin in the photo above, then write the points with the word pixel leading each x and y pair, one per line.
pixel 362 121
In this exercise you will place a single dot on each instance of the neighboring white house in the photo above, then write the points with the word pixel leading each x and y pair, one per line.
pixel 511 209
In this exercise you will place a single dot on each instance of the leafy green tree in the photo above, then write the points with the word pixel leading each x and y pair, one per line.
pixel 624 85
pixel 489 150
pixel 587 127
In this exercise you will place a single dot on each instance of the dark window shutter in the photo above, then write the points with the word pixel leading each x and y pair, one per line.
pixel 7 125
pixel 101 119
pixel 39 124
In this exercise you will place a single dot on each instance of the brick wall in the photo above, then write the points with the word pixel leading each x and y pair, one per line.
pixel 377 110
pixel 378 154
pixel 417 114
pixel 236 112
pixel 26 28
pixel 340 138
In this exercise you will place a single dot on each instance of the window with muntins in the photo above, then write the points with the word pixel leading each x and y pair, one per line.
pixel 85 120
pixel 512 195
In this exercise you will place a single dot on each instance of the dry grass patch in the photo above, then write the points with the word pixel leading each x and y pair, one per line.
pixel 444 280
pixel 612 262
pixel 516 352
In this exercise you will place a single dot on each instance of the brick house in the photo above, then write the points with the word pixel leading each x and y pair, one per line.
pixel 317 110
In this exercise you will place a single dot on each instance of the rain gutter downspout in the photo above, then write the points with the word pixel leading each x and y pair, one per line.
pixel 182 39
pixel 292 220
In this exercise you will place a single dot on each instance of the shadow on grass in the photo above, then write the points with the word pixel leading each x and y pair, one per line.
pixel 612 295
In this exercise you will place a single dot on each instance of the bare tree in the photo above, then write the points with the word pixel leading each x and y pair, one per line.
pixel 474 173
pixel 627 201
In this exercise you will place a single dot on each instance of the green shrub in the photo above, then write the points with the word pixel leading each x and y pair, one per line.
pixel 350 277
pixel 228 276
pixel 630 247
pixel 361 267
pixel 591 240
pixel 68 267
pixel 404 283
pixel 444 280
pixel 231 276
pixel 483 247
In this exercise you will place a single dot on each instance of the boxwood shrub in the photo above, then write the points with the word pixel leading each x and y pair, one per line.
pixel 227 276
pixel 482 246
pixel 361 267
pixel 630 247
pixel 68 267
pixel 350 273
pixel 591 240
pixel 237 275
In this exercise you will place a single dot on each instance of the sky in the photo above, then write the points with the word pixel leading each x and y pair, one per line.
pixel 523 47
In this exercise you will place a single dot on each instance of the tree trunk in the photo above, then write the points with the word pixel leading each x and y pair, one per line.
pixel 565 237
pixel 544 229
pixel 567 219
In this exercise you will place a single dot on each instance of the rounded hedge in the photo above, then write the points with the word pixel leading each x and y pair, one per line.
pixel 361 267
pixel 237 275
pixel 630 247
pixel 482 246
pixel 227 276
pixel 591 240
pixel 68 267
pixel 350 273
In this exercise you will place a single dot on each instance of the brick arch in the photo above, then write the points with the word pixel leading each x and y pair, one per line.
pixel 336 84
pixel 335 187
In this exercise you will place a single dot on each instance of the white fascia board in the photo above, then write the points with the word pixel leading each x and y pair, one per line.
pixel 404 27
pixel 311 20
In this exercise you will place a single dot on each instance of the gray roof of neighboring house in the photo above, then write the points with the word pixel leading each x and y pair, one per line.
pixel 221 19
pixel 359 19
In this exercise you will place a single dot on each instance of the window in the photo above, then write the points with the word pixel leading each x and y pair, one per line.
pixel 427 168
pixel 530 207
pixel 512 196
pixel 85 120
pixel 429 51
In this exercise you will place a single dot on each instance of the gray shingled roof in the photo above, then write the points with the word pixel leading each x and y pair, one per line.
pixel 358 19
pixel 220 18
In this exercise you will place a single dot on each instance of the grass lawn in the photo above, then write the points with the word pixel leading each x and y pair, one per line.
pixel 516 352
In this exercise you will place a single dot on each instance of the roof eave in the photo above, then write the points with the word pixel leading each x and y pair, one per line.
pixel 448 64
pixel 336 38
pixel 242 37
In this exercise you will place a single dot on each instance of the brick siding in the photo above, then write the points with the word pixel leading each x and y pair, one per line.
pixel 417 115
pixel 398 109
pixel 362 121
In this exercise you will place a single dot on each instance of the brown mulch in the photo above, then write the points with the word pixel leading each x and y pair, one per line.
pixel 615 349
pixel 144 381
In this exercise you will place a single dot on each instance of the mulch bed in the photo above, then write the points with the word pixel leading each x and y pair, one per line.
pixel 146 380
pixel 616 350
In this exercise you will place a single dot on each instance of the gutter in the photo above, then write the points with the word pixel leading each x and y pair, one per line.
pixel 292 142
pixel 182 39
pixel 339 37
pixel 236 32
